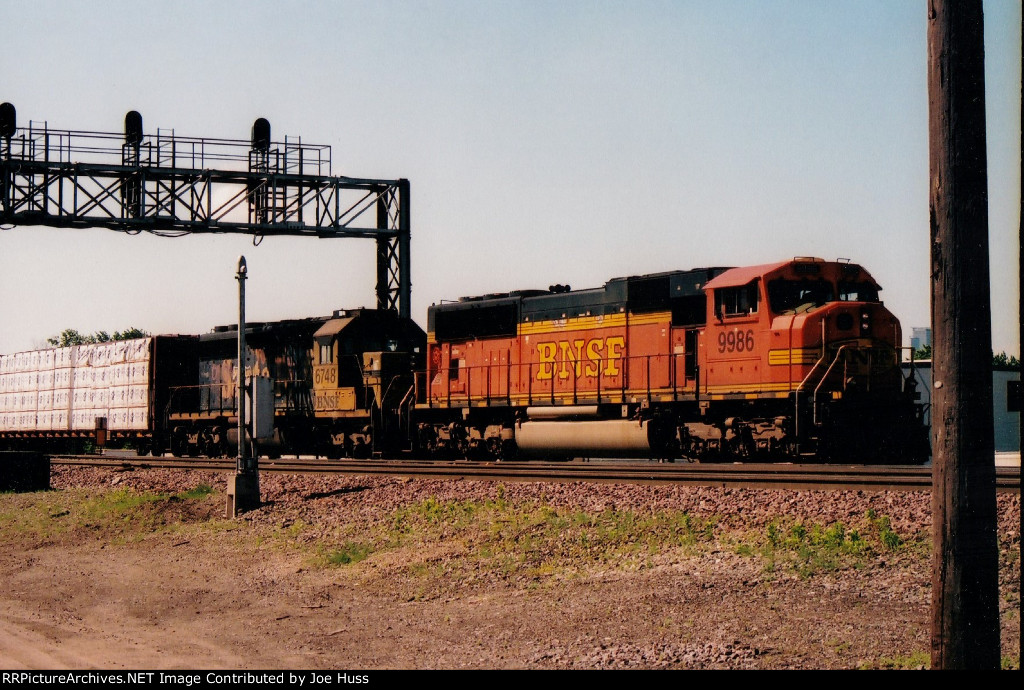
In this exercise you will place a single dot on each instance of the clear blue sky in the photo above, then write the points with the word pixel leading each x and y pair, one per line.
pixel 546 142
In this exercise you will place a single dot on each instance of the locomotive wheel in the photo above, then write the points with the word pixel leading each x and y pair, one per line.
pixel 361 450
pixel 207 443
pixel 179 444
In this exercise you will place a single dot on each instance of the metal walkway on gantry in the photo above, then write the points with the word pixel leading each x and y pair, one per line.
pixel 173 185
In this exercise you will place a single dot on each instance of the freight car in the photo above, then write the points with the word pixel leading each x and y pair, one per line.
pixel 61 399
pixel 334 385
pixel 786 360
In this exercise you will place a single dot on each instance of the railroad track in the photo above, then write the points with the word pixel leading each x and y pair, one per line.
pixel 735 475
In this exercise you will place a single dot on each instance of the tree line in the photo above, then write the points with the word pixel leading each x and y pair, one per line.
pixel 999 361
pixel 69 337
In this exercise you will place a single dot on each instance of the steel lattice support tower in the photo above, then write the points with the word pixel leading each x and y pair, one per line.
pixel 173 185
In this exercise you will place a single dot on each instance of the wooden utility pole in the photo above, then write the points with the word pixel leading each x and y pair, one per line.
pixel 965 585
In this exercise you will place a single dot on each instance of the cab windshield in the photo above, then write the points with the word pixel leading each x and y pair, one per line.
pixel 858 292
pixel 798 296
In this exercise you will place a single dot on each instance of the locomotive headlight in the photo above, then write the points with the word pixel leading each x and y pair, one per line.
pixel 865 321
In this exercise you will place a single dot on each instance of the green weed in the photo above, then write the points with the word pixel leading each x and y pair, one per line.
pixel 840 646
pixel 811 548
pixel 347 553
pixel 882 527
pixel 201 491
pixel 915 660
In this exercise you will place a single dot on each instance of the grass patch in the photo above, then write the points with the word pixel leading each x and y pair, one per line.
pixel 495 538
pixel 347 554
pixel 916 660
pixel 811 548
pixel 808 548
pixel 201 491
pixel 623 537
pixel 116 514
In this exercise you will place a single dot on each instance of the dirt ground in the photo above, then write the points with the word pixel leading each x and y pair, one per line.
pixel 184 589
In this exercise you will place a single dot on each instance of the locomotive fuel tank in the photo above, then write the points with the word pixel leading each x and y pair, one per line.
pixel 607 438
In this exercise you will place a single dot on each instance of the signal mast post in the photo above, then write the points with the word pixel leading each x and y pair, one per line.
pixel 244 485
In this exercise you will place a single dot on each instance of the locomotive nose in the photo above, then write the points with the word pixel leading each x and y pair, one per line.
pixel 847 320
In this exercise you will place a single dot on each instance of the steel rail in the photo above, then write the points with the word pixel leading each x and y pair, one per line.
pixel 731 475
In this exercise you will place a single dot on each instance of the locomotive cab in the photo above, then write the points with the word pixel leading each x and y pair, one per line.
pixel 815 335
pixel 771 326
pixel 363 388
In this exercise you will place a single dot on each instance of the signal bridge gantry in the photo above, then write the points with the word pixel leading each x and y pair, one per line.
pixel 173 185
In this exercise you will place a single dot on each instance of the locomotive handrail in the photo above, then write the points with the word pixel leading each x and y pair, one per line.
pixel 404 403
pixel 807 378
pixel 580 380
pixel 648 379
pixel 840 354
pixel 575 379
pixel 508 378
pixel 175 390
pixel 799 389
pixel 673 373
pixel 552 386
pixel 292 389
pixel 296 394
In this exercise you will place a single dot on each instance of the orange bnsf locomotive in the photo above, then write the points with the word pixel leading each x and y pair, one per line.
pixel 780 361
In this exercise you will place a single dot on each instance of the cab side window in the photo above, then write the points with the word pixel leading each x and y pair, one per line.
pixel 737 301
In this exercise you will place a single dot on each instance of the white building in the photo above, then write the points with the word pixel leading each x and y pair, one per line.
pixel 1006 423
pixel 920 336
